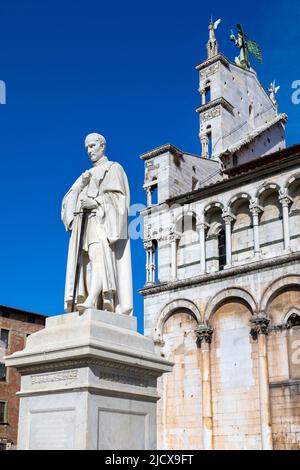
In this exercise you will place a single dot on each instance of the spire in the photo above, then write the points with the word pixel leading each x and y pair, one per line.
pixel 212 45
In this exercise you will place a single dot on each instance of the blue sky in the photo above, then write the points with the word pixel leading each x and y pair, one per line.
pixel 126 70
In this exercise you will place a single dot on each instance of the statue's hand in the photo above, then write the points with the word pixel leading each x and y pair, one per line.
pixel 89 204
pixel 85 179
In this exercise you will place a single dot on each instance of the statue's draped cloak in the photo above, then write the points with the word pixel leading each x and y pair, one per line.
pixel 106 225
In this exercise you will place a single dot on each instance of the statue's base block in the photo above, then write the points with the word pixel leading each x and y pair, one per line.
pixel 88 382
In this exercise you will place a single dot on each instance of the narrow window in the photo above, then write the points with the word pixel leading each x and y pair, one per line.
pixel 4 338
pixel 2 372
pixel 294 320
pixel 207 94
pixel 209 136
pixel 154 194
pixel 3 412
pixel 293 324
pixel 222 249
pixel 155 260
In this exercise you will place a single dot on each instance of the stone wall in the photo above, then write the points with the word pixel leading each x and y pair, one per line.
pixel 285 410
pixel 234 378
pixel 228 305
pixel 19 329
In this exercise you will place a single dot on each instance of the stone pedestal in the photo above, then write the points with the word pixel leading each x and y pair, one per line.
pixel 88 382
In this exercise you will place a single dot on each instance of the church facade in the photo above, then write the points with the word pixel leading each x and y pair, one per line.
pixel 222 292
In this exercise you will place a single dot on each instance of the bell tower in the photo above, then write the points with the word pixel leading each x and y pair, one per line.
pixel 239 119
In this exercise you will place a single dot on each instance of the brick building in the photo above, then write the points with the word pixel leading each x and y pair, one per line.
pixel 15 326
pixel 222 292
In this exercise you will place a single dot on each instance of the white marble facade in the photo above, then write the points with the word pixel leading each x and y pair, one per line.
pixel 222 242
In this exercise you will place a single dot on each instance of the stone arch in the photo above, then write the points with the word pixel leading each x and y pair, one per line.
pixel 212 205
pixel 291 179
pixel 170 309
pixel 215 236
pixel 290 313
pixel 239 206
pixel 233 360
pixel 226 294
pixel 293 191
pixel 275 288
pixel 189 213
pixel 238 196
pixel 265 187
pixel 179 415
pixel 268 199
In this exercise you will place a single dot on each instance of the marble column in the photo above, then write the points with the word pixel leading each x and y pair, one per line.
pixel 150 275
pixel 203 95
pixel 255 210
pixel 204 143
pixel 259 332
pixel 228 219
pixel 202 228
pixel 285 200
pixel 148 190
pixel 173 240
pixel 204 337
pixel 152 265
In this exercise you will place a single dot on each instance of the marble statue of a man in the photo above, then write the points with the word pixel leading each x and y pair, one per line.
pixel 104 264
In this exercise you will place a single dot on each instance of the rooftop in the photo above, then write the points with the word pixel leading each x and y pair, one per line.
pixel 171 149
pixel 270 159
pixel 269 164
pixel 5 311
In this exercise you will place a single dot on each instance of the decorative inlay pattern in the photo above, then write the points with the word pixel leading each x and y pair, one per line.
pixel 64 376
pixel 209 71
pixel 210 114
pixel 124 379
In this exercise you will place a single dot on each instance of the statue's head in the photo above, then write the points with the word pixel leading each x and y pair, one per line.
pixel 95 145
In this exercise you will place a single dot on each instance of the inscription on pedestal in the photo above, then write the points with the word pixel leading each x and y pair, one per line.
pixel 123 379
pixel 65 376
